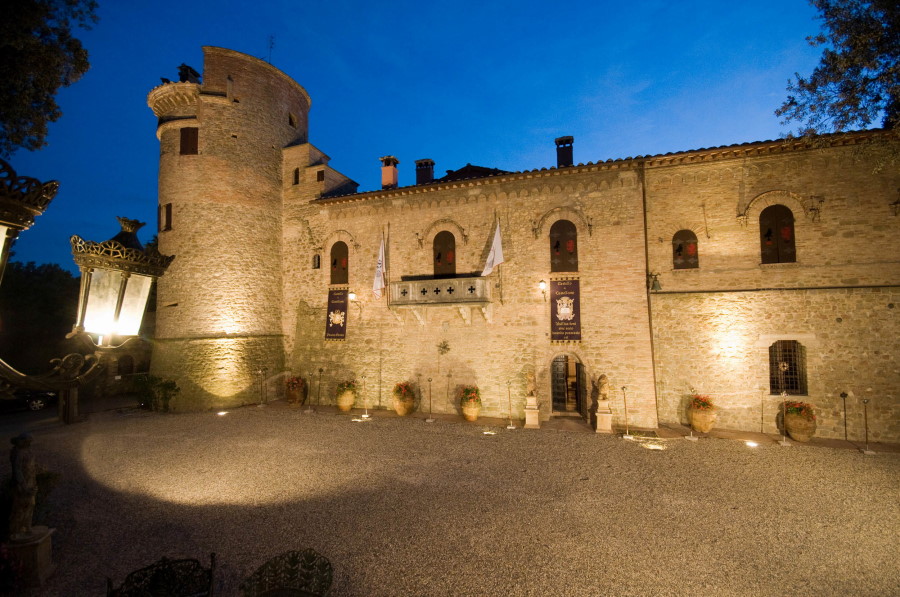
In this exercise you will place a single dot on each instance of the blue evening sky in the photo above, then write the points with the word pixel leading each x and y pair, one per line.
pixel 487 83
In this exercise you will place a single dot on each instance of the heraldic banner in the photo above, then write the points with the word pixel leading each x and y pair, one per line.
pixel 565 311
pixel 336 323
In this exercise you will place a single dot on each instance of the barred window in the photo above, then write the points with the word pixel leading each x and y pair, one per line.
pixel 787 368
pixel 684 250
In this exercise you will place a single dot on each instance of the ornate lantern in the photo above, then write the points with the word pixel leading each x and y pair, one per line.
pixel 22 199
pixel 116 277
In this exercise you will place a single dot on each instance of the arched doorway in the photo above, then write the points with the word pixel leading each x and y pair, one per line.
pixel 568 385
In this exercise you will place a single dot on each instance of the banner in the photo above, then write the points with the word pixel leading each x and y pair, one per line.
pixel 495 257
pixel 565 311
pixel 378 285
pixel 336 320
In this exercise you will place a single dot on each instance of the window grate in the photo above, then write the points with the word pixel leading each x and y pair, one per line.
pixel 787 368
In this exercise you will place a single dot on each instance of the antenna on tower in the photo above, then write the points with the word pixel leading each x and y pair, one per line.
pixel 271 45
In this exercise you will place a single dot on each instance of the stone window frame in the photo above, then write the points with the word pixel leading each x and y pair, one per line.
pixel 189 140
pixel 325 250
pixel 810 343
pixel 687 235
pixel 771 242
pixel 444 268
pixel 574 226
pixel 296 175
pixel 334 274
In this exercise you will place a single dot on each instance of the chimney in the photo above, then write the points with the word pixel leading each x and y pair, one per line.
pixel 389 175
pixel 424 171
pixel 564 151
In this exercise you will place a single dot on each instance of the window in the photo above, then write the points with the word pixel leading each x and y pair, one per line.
pixel 787 368
pixel 320 176
pixel 684 250
pixel 563 247
pixel 189 140
pixel 776 235
pixel 296 175
pixel 317 261
pixel 164 218
pixel 292 120
pixel 444 255
pixel 339 273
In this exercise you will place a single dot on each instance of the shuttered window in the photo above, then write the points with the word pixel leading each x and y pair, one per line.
pixel 563 247
pixel 339 263
pixel 444 252
pixel 776 235
pixel 685 254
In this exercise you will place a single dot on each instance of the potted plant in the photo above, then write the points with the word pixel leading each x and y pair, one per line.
pixel 799 420
pixel 470 402
pixel 404 398
pixel 346 395
pixel 703 413
pixel 294 390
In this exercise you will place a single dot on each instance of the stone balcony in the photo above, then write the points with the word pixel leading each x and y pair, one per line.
pixel 463 294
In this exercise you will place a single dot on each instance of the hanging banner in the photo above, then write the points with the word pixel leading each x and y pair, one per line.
pixel 336 320
pixel 565 311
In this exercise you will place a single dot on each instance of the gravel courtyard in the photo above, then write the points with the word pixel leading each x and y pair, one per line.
pixel 401 507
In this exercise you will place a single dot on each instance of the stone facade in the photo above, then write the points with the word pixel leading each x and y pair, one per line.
pixel 256 213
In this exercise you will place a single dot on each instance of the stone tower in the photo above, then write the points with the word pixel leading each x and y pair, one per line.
pixel 220 193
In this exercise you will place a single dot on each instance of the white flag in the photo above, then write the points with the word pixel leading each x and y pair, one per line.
pixel 495 257
pixel 378 286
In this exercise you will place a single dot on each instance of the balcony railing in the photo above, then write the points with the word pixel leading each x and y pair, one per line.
pixel 473 291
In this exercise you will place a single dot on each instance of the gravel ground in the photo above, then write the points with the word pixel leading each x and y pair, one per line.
pixel 401 507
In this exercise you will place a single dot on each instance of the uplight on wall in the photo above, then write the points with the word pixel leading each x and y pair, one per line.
pixel 543 286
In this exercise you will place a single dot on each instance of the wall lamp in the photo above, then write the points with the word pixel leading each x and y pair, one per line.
pixel 543 286
pixel 354 300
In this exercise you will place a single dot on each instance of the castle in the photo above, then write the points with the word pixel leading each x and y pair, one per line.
pixel 741 272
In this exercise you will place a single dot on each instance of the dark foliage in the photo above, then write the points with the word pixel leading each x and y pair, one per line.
pixel 38 55
pixel 37 309
pixel 857 81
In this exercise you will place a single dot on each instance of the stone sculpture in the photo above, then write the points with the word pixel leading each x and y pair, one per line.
pixel 24 488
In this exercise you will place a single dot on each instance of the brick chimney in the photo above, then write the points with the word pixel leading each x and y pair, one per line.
pixel 424 171
pixel 564 151
pixel 389 176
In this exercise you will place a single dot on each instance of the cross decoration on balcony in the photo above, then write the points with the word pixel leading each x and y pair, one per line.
pixel 437 290
pixel 450 290
pixel 471 290
pixel 404 292
pixel 424 291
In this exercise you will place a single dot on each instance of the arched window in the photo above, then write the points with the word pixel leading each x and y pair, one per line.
pixel 296 175
pixel 787 368
pixel 684 250
pixel 563 247
pixel 444 255
pixel 776 235
pixel 339 263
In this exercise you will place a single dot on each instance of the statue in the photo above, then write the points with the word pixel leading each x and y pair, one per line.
pixel 529 384
pixel 24 488
pixel 604 387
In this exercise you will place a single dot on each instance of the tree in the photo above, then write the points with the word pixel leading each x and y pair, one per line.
pixel 38 55
pixel 857 80
pixel 38 304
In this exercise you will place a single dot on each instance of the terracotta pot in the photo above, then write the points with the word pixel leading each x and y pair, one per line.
pixel 471 411
pixel 404 407
pixel 702 420
pixel 345 400
pixel 799 428
pixel 296 395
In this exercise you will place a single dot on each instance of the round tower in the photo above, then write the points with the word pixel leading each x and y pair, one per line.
pixel 218 331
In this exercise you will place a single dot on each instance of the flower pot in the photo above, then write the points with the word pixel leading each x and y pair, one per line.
pixel 345 400
pixel 295 395
pixel 470 411
pixel 799 428
pixel 403 406
pixel 702 420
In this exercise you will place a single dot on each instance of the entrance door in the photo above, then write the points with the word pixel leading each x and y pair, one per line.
pixel 568 385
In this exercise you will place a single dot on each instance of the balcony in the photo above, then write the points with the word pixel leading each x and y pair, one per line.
pixel 464 294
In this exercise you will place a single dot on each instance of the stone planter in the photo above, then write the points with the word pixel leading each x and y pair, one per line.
pixel 470 411
pixel 799 428
pixel 702 421
pixel 345 400
pixel 404 407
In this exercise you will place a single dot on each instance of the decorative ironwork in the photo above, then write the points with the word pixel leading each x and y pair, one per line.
pixel 113 254
pixel 175 578
pixel 787 368
pixel 23 198
pixel 291 573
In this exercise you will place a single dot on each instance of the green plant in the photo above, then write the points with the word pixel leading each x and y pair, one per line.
pixel 469 395
pixel 155 393
pixel 404 391
pixel 347 386
pixel 701 402
pixel 802 409
pixel 294 383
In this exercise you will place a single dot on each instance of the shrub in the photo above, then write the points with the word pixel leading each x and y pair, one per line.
pixel 155 393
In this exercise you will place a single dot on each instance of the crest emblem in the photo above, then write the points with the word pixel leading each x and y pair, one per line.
pixel 336 317
pixel 565 309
